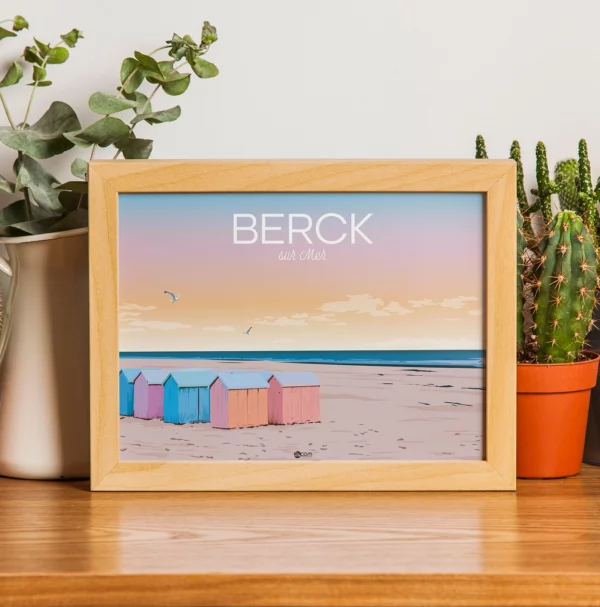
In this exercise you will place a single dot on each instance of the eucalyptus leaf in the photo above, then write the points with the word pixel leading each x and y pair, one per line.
pixel 132 74
pixel 134 148
pixel 57 55
pixel 209 33
pixel 79 168
pixel 103 132
pixel 72 200
pixel 16 212
pixel 81 187
pixel 20 23
pixel 43 48
pixel 178 86
pixel 147 62
pixel 160 116
pixel 39 73
pixel 41 83
pixel 204 69
pixel 14 74
pixel 101 103
pixel 35 226
pixel 142 102
pixel 30 55
pixel 39 182
pixel 75 139
pixel 74 220
pixel 45 138
pixel 4 33
pixel 6 186
pixel 71 38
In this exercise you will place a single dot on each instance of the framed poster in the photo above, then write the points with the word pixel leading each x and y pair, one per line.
pixel 302 325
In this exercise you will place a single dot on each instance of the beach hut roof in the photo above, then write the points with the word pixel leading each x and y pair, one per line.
pixel 192 378
pixel 130 374
pixel 289 379
pixel 154 376
pixel 242 381
pixel 266 374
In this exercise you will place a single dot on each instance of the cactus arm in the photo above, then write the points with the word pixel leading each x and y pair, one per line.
pixel 587 194
pixel 480 151
pixel 545 187
pixel 566 177
pixel 565 299
pixel 515 154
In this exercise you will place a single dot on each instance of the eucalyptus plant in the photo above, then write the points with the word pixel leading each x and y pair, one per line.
pixel 50 206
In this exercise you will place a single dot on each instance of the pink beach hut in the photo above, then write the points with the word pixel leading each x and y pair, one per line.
pixel 238 400
pixel 294 398
pixel 148 394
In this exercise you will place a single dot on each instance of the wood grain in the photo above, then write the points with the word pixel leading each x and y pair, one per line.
pixel 63 545
pixel 495 178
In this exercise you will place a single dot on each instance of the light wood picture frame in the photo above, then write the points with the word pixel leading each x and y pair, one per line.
pixel 494 180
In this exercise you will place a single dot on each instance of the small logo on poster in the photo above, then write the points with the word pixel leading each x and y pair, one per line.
pixel 299 454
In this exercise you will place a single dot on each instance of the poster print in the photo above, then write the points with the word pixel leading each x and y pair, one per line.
pixel 274 326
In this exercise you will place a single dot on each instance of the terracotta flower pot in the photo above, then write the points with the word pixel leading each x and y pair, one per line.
pixel 552 409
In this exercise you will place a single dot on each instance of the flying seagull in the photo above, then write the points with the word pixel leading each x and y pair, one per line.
pixel 173 297
pixel 247 332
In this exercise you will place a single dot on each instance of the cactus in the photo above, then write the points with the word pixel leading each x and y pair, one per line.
pixel 565 290
pixel 545 187
pixel 587 195
pixel 566 177
pixel 480 151
pixel 515 154
pixel 521 261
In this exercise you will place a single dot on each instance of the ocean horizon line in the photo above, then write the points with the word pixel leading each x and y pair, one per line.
pixel 393 358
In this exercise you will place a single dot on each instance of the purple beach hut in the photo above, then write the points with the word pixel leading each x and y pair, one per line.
pixel 148 394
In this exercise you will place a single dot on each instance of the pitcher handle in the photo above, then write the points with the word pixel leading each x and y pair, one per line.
pixel 5 266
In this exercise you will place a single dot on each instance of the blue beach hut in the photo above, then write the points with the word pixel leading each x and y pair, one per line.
pixel 187 396
pixel 126 379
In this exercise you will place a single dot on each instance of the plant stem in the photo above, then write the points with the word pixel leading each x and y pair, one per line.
pixel 25 193
pixel 35 85
pixel 10 120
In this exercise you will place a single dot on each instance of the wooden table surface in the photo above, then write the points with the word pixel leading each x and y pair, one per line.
pixel 61 545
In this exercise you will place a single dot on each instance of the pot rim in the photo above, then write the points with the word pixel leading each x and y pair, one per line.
pixel 42 237
pixel 593 357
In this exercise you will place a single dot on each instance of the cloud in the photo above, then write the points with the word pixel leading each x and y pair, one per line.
pixel 395 308
pixel 457 302
pixel 339 324
pixel 475 312
pixel 361 304
pixel 420 303
pixel 282 321
pixel 132 306
pixel 159 325
pixel 296 316
pixel 223 328
pixel 380 313
pixel 131 330
pixel 323 318
pixel 128 315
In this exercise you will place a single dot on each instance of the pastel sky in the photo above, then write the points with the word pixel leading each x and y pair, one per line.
pixel 419 285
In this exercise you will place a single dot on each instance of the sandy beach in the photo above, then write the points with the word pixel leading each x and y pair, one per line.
pixel 367 412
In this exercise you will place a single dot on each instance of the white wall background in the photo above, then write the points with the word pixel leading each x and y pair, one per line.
pixel 341 78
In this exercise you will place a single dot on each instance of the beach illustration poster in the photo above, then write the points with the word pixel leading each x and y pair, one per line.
pixel 282 326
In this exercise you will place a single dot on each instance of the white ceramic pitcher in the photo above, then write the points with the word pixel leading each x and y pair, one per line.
pixel 44 357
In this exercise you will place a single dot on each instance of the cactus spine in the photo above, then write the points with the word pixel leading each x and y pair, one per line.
pixel 565 289
pixel 545 187
pixel 566 177
pixel 480 151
